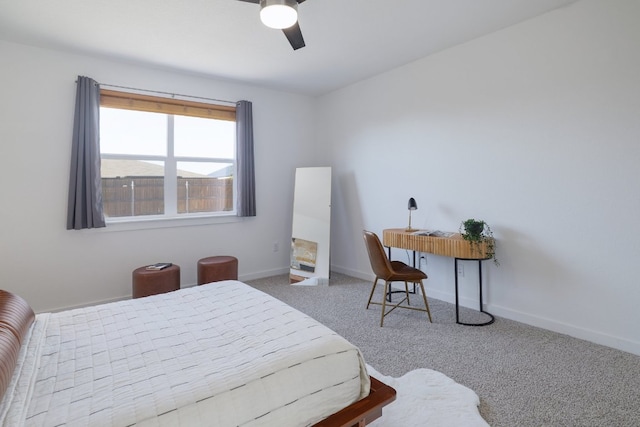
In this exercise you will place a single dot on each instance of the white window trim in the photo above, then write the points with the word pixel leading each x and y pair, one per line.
pixel 174 219
pixel 150 222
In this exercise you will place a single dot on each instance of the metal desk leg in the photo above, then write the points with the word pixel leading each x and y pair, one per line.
pixel 414 285
pixel 455 272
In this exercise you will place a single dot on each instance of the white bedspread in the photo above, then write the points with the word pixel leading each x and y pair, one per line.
pixel 222 354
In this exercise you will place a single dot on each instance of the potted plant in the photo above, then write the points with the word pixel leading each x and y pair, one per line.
pixel 477 233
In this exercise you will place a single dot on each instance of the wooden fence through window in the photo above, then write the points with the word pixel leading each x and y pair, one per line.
pixel 134 196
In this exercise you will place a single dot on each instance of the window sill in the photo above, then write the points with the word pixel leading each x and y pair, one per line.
pixel 150 223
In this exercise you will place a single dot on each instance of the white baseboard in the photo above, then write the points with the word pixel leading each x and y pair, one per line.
pixel 243 278
pixel 442 296
pixel 263 274
pixel 353 273
pixel 596 337
pixel 618 343
pixel 88 304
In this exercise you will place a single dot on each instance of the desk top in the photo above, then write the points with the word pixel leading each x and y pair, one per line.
pixel 454 246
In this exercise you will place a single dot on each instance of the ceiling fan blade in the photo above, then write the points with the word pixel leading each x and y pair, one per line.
pixel 294 35
pixel 258 1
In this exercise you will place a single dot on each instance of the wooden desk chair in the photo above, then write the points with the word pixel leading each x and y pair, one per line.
pixel 392 271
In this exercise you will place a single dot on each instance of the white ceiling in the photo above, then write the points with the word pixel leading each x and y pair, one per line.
pixel 347 40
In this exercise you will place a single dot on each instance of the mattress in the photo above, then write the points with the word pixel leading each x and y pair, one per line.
pixel 221 354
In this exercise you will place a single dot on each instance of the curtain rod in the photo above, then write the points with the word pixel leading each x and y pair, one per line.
pixel 173 95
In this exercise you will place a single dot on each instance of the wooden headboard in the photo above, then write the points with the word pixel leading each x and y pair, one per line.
pixel 16 318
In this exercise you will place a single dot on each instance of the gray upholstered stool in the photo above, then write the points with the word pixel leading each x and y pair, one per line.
pixel 216 268
pixel 152 282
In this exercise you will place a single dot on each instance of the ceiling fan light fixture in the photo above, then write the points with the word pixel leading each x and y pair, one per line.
pixel 278 14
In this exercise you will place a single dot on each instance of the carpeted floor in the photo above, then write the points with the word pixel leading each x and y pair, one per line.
pixel 524 376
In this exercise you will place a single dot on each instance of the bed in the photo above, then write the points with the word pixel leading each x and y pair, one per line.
pixel 221 354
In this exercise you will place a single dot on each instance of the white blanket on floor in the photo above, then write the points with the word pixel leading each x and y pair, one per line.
pixel 428 398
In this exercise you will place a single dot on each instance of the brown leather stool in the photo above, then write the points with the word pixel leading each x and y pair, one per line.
pixel 216 268
pixel 152 282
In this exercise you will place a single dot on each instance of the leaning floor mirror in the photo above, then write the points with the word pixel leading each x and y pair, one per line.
pixel 311 229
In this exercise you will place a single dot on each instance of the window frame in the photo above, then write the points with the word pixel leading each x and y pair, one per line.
pixel 170 107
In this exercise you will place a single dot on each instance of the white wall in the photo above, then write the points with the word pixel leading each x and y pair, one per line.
pixel 536 130
pixel 55 268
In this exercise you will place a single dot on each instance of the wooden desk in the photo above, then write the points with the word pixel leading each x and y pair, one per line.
pixel 454 247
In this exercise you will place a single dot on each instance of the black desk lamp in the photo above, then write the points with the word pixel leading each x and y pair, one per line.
pixel 412 207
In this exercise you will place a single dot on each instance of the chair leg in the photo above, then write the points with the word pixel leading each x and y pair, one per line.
pixel 384 302
pixel 424 297
pixel 406 291
pixel 373 288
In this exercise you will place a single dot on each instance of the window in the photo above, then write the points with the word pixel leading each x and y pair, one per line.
pixel 166 158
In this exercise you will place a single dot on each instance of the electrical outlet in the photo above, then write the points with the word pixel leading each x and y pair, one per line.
pixel 460 270
pixel 276 246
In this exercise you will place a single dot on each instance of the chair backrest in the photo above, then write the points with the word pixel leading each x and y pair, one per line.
pixel 379 262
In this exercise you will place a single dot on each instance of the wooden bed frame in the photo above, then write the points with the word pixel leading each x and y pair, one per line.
pixel 364 410
pixel 16 318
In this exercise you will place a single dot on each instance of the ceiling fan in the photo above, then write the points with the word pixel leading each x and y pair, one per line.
pixel 282 15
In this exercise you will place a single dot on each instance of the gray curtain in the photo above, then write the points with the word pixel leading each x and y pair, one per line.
pixel 85 186
pixel 246 205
